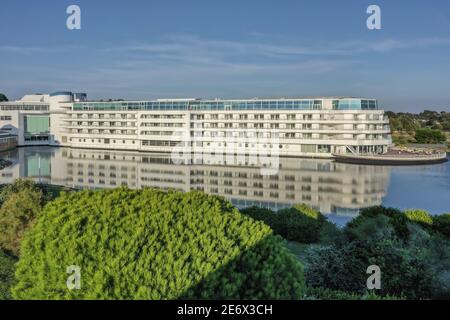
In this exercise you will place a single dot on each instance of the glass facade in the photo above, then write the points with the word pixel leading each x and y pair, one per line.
pixel 355 104
pixel 204 105
pixel 280 104
pixel 37 124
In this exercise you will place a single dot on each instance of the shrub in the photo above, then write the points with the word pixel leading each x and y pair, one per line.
pixel 298 223
pixel 421 217
pixel 337 268
pixel 7 268
pixel 433 249
pixel 17 186
pixel 397 219
pixel 21 203
pixel 371 229
pixel 148 244
pixel 268 216
pixel 427 135
pixel 441 224
pixel 414 257
pixel 344 269
pixel 330 234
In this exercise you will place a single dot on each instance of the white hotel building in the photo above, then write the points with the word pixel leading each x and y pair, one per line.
pixel 316 127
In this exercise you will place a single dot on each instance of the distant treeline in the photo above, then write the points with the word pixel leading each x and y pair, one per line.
pixel 425 127
pixel 404 121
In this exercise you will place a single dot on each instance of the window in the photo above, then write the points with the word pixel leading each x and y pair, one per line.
pixel 308 148
pixel 159 143
pixel 5 118
pixel 37 124
pixel 324 148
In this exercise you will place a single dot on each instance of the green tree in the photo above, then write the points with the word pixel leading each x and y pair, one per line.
pixel 427 135
pixel 7 279
pixel 149 244
pixel 408 123
pixel 18 185
pixel 402 122
pixel 395 124
pixel 20 204
pixel 3 97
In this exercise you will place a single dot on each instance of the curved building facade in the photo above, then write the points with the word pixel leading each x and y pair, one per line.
pixel 318 127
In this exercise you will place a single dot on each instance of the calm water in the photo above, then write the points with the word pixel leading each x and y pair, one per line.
pixel 336 189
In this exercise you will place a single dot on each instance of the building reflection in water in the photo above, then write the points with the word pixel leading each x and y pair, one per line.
pixel 333 188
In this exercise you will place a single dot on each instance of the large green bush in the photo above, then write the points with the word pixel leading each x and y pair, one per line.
pixel 148 244
pixel 298 223
pixel 7 268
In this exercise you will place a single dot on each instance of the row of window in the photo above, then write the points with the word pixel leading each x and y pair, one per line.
pixel 285 135
pixel 160 124
pixel 161 133
pixel 260 125
pixel 104 124
pixel 231 116
pixel 104 116
pixel 243 125
pixel 105 131
pixel 38 138
pixel 104 141
pixel 24 107
pixel 203 105
pixel 162 116
pixel 290 116
pixel 261 194
pixel 159 143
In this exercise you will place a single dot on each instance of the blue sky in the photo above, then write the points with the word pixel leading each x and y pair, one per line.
pixel 197 48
